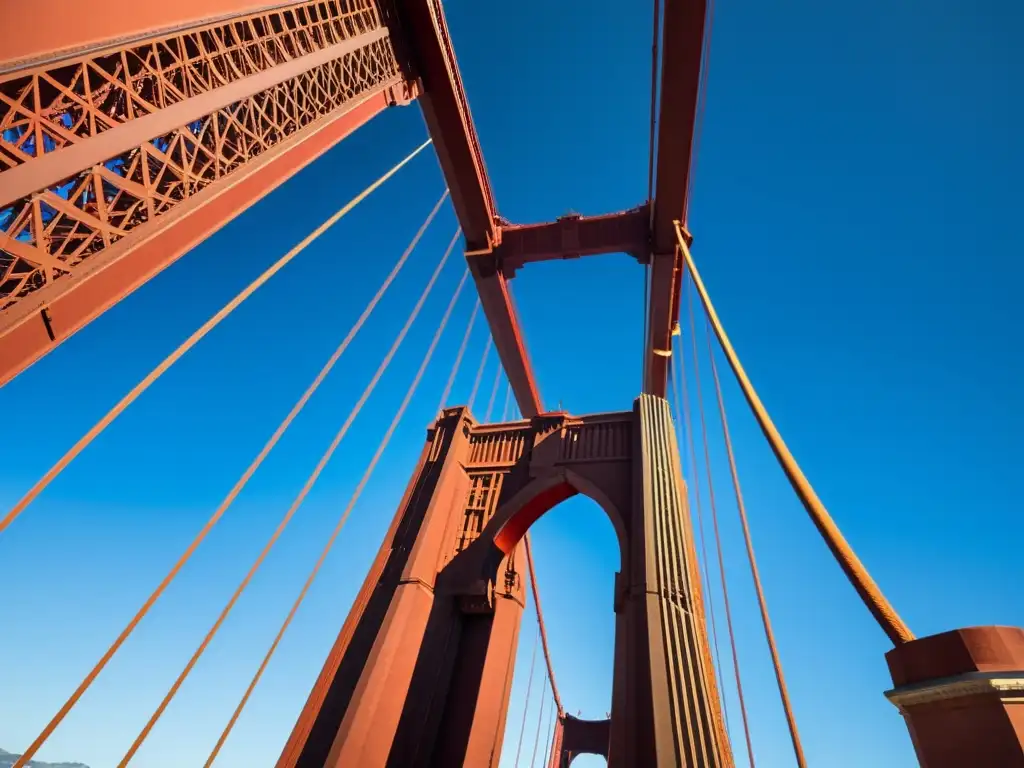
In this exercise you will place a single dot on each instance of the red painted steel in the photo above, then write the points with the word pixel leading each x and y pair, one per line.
pixel 573 236
pixel 421 25
pixel 73 25
pixel 129 132
pixel 422 671
pixel 681 54
pixel 424 31
pixel 576 737
pixel 499 308
pixel 425 45
pixel 55 317
pixel 114 162
pixel 46 169
pixel 960 693
pixel 493 260
pixel 682 47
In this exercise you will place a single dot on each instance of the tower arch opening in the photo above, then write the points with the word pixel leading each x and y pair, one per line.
pixel 576 554
pixel 563 488
pixel 588 761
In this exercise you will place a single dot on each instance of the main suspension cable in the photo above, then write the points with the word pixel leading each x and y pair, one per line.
pixel 291 510
pixel 222 508
pixel 526 705
pixel 683 406
pixel 367 474
pixel 761 602
pixel 458 357
pixel 718 537
pixel 480 371
pixel 540 622
pixel 854 569
pixel 190 342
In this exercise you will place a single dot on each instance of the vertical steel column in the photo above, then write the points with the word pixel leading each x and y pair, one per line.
pixel 664 686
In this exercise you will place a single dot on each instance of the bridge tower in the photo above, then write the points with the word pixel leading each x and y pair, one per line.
pixel 422 671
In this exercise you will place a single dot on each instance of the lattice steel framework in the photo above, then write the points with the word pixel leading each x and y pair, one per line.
pixel 234 90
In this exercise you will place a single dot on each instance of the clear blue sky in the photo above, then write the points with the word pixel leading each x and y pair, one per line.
pixel 856 217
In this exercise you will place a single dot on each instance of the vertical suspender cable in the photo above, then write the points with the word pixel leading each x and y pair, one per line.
pixel 239 485
pixel 718 539
pixel 458 357
pixel 877 604
pixel 508 400
pixel 536 738
pixel 367 474
pixel 494 394
pixel 683 407
pixel 761 602
pixel 294 506
pixel 190 342
pixel 526 703
pixel 551 743
pixel 535 588
pixel 480 371
pixel 550 738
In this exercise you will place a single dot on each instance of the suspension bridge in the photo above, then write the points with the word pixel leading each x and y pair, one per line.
pixel 131 135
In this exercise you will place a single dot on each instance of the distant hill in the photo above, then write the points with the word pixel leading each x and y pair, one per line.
pixel 7 761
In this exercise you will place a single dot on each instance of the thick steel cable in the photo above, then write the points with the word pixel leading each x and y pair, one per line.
pixel 877 604
pixel 299 499
pixel 761 602
pixel 536 738
pixel 718 537
pixel 190 342
pixel 367 474
pixel 458 357
pixel 224 505
pixel 480 371
pixel 540 622
pixel 683 407
pixel 526 705
pixel 494 394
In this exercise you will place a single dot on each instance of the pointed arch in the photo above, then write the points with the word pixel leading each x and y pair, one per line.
pixel 513 519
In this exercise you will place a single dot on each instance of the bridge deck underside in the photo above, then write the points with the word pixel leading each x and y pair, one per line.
pixel 114 162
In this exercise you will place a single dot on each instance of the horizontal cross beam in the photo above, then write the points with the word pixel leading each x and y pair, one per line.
pixel 496 250
pixel 574 236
